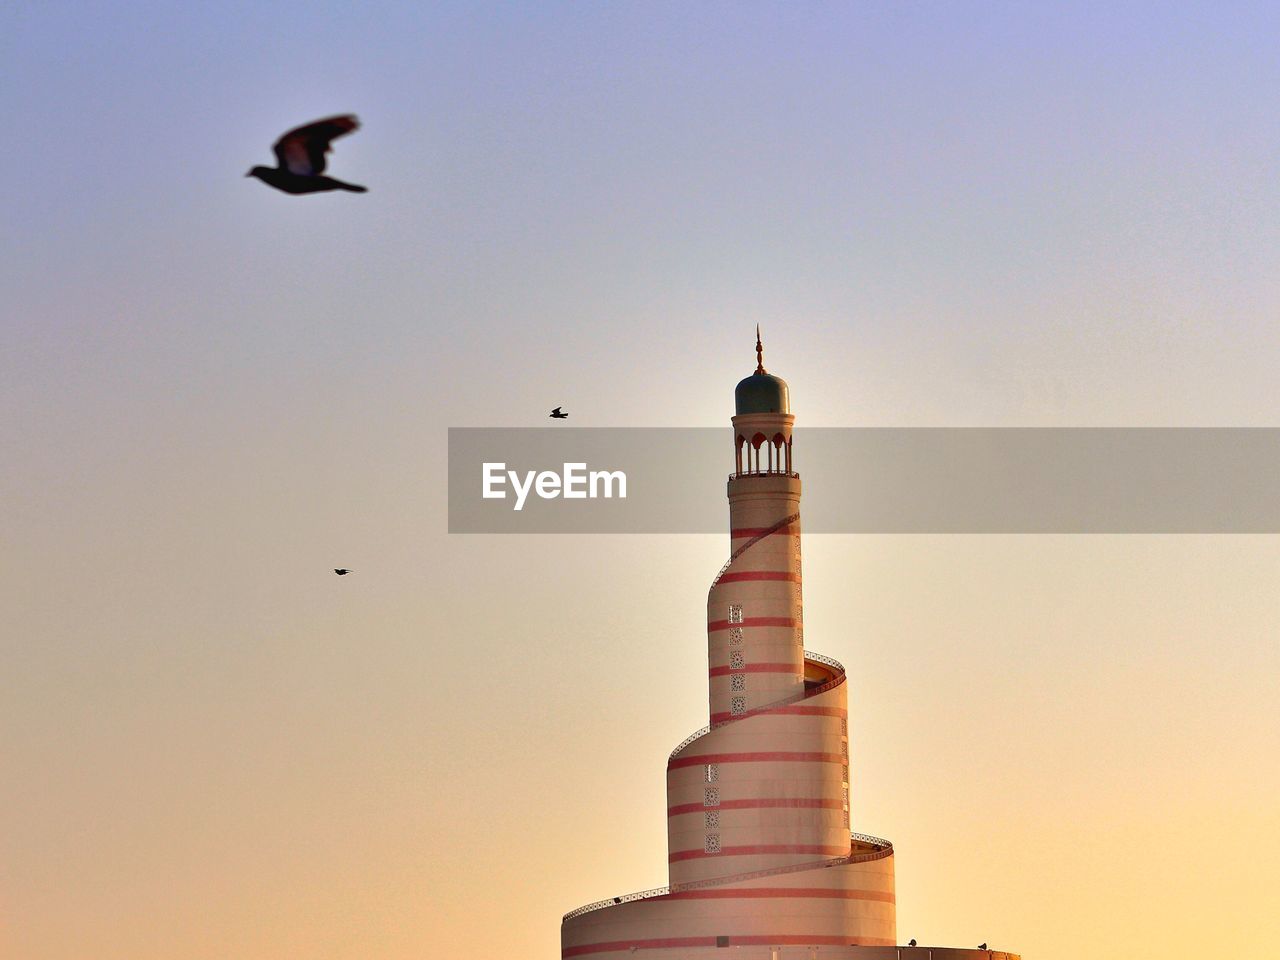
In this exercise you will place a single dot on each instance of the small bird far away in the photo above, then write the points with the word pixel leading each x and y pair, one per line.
pixel 982 946
pixel 300 158
pixel 556 414
pixel 911 942
pixel 341 571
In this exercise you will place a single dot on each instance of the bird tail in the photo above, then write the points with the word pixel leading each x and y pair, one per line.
pixel 350 187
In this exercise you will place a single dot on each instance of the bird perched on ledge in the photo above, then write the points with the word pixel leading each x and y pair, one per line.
pixel 300 158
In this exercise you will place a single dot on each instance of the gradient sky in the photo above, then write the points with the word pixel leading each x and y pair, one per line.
pixel 943 214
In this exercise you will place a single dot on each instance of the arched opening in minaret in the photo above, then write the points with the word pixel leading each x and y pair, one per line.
pixel 779 460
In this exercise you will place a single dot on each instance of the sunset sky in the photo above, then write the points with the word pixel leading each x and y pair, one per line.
pixel 943 214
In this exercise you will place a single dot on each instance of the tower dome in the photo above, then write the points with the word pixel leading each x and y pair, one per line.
pixel 761 392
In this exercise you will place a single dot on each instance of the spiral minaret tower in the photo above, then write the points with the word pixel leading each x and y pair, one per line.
pixel 763 865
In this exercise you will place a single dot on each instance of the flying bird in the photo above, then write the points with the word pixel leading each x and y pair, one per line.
pixel 558 415
pixel 300 158
pixel 341 571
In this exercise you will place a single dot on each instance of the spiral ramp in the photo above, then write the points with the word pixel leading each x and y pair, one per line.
pixel 762 861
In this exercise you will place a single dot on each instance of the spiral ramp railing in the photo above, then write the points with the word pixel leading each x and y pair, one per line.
pixel 879 848
pixel 882 849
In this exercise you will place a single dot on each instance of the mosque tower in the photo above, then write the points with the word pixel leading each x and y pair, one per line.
pixel 762 862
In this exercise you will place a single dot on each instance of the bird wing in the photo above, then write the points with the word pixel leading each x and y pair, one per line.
pixel 556 410
pixel 302 150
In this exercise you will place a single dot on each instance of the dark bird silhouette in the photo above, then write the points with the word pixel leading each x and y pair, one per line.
pixel 300 158
pixel 982 946
pixel 558 415
pixel 341 571
pixel 911 942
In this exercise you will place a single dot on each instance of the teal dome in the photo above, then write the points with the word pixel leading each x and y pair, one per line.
pixel 762 393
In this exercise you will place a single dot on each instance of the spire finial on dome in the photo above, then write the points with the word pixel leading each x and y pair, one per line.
pixel 759 352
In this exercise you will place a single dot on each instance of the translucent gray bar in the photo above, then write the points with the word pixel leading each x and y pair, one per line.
pixel 885 480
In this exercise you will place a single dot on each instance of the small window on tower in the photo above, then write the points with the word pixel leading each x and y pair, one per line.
pixel 735 635
pixel 712 843
pixel 738 682
pixel 712 818
pixel 712 772
pixel 711 796
pixel 735 613
pixel 736 660
pixel 738 705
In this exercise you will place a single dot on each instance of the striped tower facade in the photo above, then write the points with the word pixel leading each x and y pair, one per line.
pixel 762 862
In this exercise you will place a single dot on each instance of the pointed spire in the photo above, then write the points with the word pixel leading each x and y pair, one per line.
pixel 759 352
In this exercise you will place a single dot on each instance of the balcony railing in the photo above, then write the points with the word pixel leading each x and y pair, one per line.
pixel 765 473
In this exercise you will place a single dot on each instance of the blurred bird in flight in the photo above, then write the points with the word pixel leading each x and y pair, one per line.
pixel 300 158
pixel 557 415
pixel 341 571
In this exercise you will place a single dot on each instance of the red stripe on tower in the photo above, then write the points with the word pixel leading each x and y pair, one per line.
pixel 749 575
pixel 753 622
pixel 754 940
pixel 757 849
pixel 753 668
pixel 762 756
pixel 761 803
